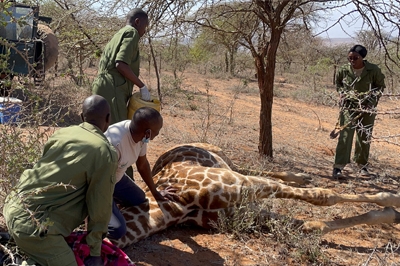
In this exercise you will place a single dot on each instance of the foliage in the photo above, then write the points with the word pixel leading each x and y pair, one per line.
pixel 256 219
pixel 201 50
pixel 264 29
pixel 42 109
pixel 82 30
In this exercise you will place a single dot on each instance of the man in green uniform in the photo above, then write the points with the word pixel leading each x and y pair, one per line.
pixel 360 84
pixel 119 66
pixel 73 180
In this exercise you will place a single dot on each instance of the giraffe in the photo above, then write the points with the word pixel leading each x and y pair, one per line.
pixel 207 183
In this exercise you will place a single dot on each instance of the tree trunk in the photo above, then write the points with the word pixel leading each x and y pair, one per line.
pixel 175 57
pixel 334 74
pixel 265 138
pixel 232 65
pixel 266 77
pixel 155 69
pixel 226 62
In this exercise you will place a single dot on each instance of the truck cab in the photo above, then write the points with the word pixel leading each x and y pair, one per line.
pixel 20 45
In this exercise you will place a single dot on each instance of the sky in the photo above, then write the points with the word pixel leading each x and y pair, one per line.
pixel 348 31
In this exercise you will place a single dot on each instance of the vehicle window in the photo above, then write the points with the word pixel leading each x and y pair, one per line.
pixel 19 24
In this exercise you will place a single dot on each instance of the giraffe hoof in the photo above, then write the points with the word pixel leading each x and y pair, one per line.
pixel 302 179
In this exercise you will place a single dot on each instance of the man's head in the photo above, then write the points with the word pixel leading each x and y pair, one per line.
pixel 356 55
pixel 146 124
pixel 96 111
pixel 138 19
pixel 359 49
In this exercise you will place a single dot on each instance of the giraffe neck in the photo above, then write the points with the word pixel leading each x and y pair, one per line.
pixel 148 218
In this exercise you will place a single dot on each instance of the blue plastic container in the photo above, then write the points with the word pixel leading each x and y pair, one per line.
pixel 9 110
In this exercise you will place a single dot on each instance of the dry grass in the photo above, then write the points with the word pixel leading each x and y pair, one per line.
pixel 301 144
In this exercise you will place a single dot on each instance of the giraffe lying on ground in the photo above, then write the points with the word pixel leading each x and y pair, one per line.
pixel 207 184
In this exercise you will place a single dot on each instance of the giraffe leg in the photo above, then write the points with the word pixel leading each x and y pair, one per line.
pixel 224 189
pixel 388 215
pixel 300 178
pixel 287 177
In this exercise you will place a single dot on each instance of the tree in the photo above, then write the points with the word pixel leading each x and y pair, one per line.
pixel 230 41
pixel 82 29
pixel 201 51
pixel 382 20
pixel 369 40
pixel 257 25
pixel 260 25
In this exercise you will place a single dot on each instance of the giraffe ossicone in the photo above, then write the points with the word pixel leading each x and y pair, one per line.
pixel 207 183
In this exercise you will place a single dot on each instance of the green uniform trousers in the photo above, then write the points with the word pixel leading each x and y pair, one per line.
pixel 345 142
pixel 116 96
pixel 46 250
pixel 51 250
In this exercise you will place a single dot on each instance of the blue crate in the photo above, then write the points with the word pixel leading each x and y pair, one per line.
pixel 9 110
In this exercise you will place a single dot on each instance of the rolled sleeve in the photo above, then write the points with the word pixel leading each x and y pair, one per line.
pixel 339 81
pixel 128 47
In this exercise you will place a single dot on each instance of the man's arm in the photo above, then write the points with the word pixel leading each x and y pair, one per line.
pixel 143 167
pixel 339 80
pixel 376 91
pixel 126 71
pixel 128 49
pixel 340 86
pixel 99 201
pixel 379 80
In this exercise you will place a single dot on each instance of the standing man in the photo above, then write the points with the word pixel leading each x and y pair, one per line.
pixel 360 85
pixel 130 138
pixel 73 180
pixel 119 66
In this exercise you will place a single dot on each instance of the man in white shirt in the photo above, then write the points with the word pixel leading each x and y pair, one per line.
pixel 130 138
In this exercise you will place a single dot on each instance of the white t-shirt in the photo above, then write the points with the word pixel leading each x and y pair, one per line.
pixel 128 151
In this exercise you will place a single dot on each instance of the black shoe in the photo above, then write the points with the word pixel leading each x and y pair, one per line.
pixel 337 172
pixel 4 238
pixel 364 172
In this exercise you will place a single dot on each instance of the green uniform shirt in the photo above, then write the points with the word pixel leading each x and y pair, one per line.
pixel 370 79
pixel 124 46
pixel 115 88
pixel 77 156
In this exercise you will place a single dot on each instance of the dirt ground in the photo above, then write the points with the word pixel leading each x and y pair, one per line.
pixel 225 113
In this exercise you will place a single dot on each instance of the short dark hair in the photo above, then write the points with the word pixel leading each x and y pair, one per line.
pixel 134 14
pixel 359 49
pixel 145 117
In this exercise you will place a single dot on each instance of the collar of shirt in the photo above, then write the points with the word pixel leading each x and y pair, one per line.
pixel 93 129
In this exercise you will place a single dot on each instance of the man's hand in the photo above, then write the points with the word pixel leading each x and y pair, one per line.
pixel 342 99
pixel 145 94
pixel 166 194
pixel 94 261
